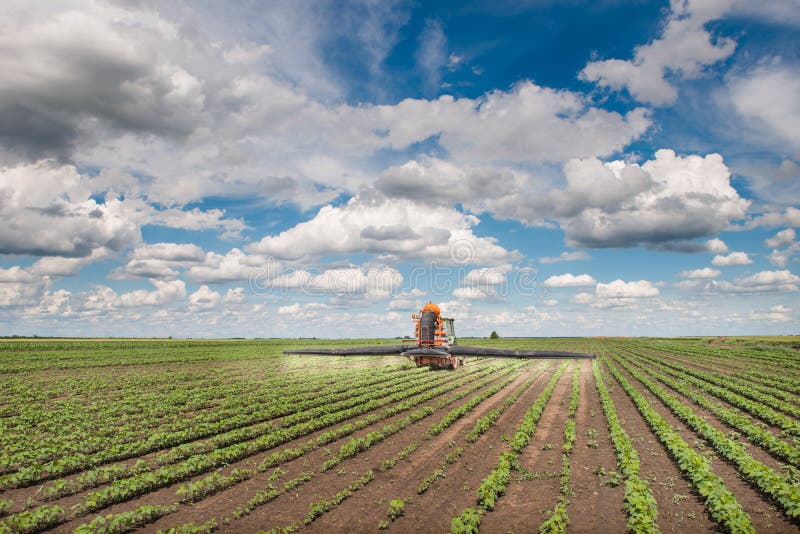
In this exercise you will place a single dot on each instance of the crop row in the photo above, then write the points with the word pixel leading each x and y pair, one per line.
pixel 322 506
pixel 282 402
pixel 71 413
pixel 128 488
pixel 125 489
pixel 726 357
pixel 734 385
pixel 762 382
pixel 773 356
pixel 487 421
pixel 125 521
pixel 759 384
pixel 765 413
pixel 309 409
pixel 353 447
pixel 26 406
pixel 720 367
pixel 30 356
pixel 284 455
pixel 480 426
pixel 143 403
pixel 90 423
pixel 457 413
pixel 218 482
pixel 494 485
pixel 639 501
pixel 720 502
pixel 776 382
pixel 735 419
pixel 783 493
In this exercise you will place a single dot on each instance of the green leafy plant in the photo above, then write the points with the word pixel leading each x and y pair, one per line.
pixel 466 523
pixel 396 508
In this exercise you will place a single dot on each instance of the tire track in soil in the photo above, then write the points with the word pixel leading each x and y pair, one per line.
pixel 658 468
pixel 764 516
pixel 522 507
pixel 219 504
pixel 294 505
pixel 593 506
pixel 430 511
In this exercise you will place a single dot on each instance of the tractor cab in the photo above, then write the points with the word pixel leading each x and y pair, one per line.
pixel 450 330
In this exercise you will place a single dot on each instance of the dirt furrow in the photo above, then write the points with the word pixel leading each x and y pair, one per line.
pixel 523 507
pixel 594 505
pixel 292 506
pixel 403 480
pixel 167 495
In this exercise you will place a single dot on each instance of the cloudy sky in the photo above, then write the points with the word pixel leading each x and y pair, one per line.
pixel 292 168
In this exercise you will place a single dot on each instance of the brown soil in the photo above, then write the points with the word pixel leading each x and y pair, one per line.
pixel 593 506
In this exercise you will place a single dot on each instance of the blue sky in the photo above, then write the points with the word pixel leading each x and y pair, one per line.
pixel 268 169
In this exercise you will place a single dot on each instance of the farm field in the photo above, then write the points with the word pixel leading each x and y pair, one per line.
pixel 655 435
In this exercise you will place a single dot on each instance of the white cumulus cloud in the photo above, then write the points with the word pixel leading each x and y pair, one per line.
pixel 663 203
pixel 767 98
pixel 164 293
pixel 781 239
pixel 49 211
pixel 705 272
pixel 666 199
pixel 761 282
pixel 622 289
pixel 788 217
pixel 684 49
pixel 397 228
pixel 734 258
pixel 474 292
pixel 486 276
pixel 204 299
pixel 570 280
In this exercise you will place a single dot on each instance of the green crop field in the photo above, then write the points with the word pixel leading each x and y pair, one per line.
pixel 685 434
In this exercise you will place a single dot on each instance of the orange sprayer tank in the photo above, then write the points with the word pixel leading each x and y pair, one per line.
pixel 430 328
